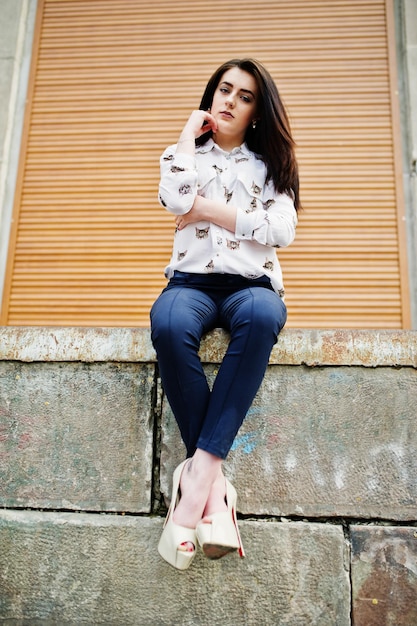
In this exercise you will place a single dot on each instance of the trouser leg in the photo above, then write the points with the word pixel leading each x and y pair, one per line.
pixel 179 318
pixel 254 317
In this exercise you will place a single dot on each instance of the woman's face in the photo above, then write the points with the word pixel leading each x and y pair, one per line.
pixel 235 103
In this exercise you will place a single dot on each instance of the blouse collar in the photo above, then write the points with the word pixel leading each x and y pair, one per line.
pixel 211 145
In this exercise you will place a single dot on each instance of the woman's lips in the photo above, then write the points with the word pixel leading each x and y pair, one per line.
pixel 226 114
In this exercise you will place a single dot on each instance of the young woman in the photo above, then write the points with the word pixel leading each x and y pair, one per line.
pixel 232 183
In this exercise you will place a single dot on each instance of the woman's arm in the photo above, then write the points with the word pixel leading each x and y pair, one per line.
pixel 178 184
pixel 274 226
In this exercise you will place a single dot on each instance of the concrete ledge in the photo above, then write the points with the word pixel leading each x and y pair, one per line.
pixel 62 568
pixel 295 347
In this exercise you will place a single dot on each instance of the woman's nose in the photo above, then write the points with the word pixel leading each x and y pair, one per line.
pixel 230 101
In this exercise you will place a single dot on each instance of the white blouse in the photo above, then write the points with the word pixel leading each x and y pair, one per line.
pixel 265 219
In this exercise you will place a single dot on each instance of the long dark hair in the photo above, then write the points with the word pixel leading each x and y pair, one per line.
pixel 271 139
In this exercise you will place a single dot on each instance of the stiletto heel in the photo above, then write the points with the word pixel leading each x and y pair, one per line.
pixel 220 535
pixel 174 535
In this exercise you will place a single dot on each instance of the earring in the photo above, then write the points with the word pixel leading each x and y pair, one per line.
pixel 254 124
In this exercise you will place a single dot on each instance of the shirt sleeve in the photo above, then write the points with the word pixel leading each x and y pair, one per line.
pixel 274 225
pixel 178 183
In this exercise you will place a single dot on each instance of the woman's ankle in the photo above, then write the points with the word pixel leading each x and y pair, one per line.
pixel 206 465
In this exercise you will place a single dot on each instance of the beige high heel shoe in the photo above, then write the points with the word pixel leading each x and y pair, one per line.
pixel 174 535
pixel 220 535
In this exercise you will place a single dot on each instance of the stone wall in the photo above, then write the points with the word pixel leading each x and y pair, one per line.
pixel 324 465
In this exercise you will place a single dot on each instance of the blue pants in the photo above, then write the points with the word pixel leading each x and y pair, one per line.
pixel 191 305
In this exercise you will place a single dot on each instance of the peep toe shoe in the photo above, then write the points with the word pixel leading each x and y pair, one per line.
pixel 173 535
pixel 220 535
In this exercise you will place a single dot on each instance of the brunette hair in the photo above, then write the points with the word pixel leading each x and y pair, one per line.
pixel 271 139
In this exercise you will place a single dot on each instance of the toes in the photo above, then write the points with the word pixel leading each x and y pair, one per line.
pixel 186 546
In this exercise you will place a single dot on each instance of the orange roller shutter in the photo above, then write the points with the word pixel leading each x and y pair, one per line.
pixel 112 84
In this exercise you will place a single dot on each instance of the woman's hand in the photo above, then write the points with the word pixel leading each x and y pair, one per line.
pixel 199 212
pixel 199 123
pixel 207 210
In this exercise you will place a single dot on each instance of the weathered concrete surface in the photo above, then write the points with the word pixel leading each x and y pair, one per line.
pixel 384 576
pixel 382 348
pixel 68 568
pixel 89 345
pixel 17 19
pixel 76 436
pixel 318 441
pixel 331 433
pixel 322 441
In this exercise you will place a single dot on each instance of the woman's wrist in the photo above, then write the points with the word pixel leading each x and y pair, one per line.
pixel 186 144
pixel 182 139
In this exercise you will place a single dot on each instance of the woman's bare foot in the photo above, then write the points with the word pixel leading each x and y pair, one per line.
pixel 199 488
pixel 216 502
